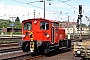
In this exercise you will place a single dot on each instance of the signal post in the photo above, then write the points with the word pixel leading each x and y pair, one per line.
pixel 79 20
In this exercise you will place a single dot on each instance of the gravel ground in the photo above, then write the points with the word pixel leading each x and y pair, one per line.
pixel 55 55
pixel 61 56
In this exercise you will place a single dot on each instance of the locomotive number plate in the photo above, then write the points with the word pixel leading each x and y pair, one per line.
pixel 31 45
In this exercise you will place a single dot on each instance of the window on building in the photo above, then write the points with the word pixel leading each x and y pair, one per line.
pixel 70 29
pixel 44 25
pixel 28 26
pixel 16 30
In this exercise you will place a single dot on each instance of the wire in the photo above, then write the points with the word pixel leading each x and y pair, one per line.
pixel 83 5
pixel 73 6
pixel 53 7
pixel 32 5
pixel 27 3
pixel 12 8
pixel 69 5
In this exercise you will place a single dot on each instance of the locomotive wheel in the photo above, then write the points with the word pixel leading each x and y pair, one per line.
pixel 47 47
pixel 61 43
pixel 35 48
pixel 25 46
pixel 69 43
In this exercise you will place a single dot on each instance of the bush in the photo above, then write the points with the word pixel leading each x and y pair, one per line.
pixel 14 33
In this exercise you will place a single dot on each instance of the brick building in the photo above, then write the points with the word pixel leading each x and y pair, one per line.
pixel 10 29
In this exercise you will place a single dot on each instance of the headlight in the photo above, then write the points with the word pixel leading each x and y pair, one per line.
pixel 23 35
pixel 47 36
pixel 78 52
pixel 35 22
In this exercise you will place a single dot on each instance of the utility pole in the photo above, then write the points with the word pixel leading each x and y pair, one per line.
pixel 43 6
pixel 80 19
pixel 34 13
pixel 73 29
pixel 68 24
pixel 68 29
pixel 80 29
pixel 89 24
pixel 12 25
pixel 44 9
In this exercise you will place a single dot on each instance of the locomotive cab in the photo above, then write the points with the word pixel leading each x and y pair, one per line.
pixel 36 35
pixel 41 35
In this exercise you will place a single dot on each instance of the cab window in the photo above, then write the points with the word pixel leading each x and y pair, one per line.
pixel 44 26
pixel 28 26
pixel 56 25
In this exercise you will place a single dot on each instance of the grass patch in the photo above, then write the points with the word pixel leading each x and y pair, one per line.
pixel 8 41
pixel 14 33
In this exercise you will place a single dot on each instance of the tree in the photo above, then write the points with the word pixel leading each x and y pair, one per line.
pixel 17 20
pixel 88 25
pixel 83 25
pixel 4 23
pixel 88 20
pixel 18 25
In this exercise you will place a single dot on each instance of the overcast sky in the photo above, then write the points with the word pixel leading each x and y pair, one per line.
pixel 58 10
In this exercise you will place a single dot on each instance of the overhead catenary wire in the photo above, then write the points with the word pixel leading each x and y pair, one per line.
pixel 75 7
pixel 68 4
pixel 12 8
pixel 55 10
pixel 83 5
pixel 40 7
pixel 27 4
pixel 37 6
pixel 32 5
pixel 59 13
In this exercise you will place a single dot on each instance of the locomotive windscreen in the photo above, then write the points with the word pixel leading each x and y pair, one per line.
pixel 44 25
pixel 28 26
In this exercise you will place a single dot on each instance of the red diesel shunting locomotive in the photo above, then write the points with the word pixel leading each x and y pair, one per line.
pixel 42 35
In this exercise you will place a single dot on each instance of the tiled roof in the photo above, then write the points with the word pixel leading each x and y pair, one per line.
pixel 68 24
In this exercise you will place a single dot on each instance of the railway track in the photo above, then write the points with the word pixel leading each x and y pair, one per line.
pixel 15 52
pixel 9 49
pixel 6 51
pixel 14 55
pixel 9 44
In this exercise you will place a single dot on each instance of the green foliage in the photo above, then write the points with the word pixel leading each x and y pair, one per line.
pixel 83 25
pixel 18 25
pixel 88 25
pixel 15 33
pixel 17 20
pixel 7 41
pixel 6 23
